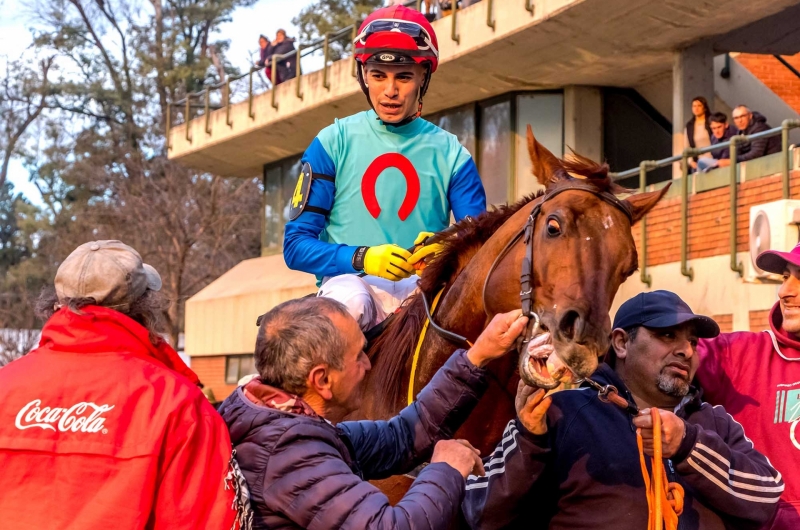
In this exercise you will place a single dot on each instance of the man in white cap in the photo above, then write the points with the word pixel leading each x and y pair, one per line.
pixel 103 424
pixel 756 377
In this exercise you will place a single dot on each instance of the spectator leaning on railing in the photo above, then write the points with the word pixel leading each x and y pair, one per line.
pixel 748 123
pixel 287 67
pixel 721 133
pixel 264 49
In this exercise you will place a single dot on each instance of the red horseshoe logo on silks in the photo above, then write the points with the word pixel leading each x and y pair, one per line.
pixel 370 178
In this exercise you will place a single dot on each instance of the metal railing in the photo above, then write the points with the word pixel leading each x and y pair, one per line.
pixel 650 165
pixel 324 43
pixel 187 104
pixel 788 65
pixel 301 51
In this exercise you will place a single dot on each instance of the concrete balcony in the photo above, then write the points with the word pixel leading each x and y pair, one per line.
pixel 563 42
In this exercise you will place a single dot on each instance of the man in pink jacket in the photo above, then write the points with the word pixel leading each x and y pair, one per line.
pixel 756 377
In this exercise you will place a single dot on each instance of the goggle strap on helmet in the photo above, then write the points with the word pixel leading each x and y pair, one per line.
pixel 405 27
pixel 408 53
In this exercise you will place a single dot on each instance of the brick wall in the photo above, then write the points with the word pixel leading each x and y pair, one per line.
pixel 776 76
pixel 709 220
pixel 725 322
pixel 759 320
pixel 211 371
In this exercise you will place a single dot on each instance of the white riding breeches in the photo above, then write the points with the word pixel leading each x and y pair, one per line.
pixel 368 299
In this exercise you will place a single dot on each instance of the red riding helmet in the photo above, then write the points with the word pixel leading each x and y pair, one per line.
pixel 396 35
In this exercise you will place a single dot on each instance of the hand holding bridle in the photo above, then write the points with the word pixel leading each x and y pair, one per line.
pixel 672 430
pixel 498 338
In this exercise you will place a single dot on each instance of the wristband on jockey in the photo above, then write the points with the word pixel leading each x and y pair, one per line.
pixel 358 258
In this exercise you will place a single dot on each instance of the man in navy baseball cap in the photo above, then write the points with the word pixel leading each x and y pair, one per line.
pixel 662 309
pixel 584 451
pixel 657 333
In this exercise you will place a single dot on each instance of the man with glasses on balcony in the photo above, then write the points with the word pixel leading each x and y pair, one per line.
pixel 380 181
pixel 748 123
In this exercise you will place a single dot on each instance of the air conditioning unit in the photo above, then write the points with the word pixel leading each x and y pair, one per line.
pixel 773 226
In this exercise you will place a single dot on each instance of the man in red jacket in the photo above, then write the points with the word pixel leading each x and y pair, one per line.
pixel 103 425
pixel 756 377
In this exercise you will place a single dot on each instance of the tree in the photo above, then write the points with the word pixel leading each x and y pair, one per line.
pixel 101 163
pixel 23 97
pixel 21 276
pixel 325 16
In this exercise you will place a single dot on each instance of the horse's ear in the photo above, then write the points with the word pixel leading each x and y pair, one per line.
pixel 641 203
pixel 547 168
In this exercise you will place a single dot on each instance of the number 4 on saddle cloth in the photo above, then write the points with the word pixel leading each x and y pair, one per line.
pixel 302 191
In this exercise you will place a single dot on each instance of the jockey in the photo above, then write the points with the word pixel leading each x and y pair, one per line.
pixel 380 181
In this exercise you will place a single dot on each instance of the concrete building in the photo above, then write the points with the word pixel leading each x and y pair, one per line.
pixel 611 79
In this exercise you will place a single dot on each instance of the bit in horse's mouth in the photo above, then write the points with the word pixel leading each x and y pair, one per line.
pixel 544 369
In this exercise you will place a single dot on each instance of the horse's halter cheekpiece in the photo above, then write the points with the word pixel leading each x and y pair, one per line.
pixel 526 277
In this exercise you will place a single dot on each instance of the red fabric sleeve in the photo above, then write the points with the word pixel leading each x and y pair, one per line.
pixel 195 490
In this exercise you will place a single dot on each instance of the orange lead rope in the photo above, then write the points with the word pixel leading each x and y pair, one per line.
pixel 664 498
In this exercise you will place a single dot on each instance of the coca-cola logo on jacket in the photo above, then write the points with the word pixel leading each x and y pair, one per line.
pixel 81 417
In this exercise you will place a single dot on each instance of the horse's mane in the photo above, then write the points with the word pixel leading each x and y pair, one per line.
pixel 460 241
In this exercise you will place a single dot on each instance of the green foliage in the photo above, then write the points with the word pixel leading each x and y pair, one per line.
pixel 100 156
pixel 325 16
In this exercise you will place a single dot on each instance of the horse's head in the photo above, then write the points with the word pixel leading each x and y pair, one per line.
pixel 582 251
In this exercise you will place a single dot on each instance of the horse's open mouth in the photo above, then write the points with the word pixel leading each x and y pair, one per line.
pixel 545 370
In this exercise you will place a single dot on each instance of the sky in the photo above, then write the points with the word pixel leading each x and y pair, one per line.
pixel 266 17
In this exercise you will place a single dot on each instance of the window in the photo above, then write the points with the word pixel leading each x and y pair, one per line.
pixel 545 113
pixel 279 182
pixel 238 366
pixel 459 121
pixel 494 148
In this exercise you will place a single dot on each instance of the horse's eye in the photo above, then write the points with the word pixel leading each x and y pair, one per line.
pixel 553 227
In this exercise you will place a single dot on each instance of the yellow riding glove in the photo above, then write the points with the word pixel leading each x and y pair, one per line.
pixel 417 259
pixel 388 261
pixel 422 237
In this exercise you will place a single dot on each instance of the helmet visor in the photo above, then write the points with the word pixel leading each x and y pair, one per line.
pixel 411 29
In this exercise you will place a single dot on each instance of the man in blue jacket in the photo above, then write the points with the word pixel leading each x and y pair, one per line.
pixel 376 183
pixel 306 468
pixel 570 461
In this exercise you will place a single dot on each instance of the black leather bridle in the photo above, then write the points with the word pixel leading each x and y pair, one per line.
pixel 526 276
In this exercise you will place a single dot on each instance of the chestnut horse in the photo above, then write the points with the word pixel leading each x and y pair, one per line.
pixel 583 250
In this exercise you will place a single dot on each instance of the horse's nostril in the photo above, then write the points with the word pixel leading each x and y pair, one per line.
pixel 568 323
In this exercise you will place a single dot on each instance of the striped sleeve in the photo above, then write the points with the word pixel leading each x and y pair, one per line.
pixel 515 472
pixel 728 473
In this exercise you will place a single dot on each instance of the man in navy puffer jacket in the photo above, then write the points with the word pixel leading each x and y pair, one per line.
pixel 308 469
